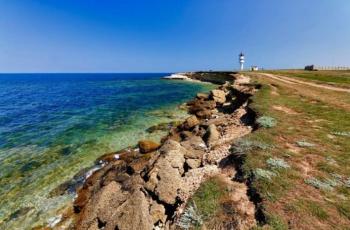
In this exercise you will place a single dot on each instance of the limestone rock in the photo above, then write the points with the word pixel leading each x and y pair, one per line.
pixel 205 114
pixel 193 163
pixel 212 135
pixel 185 135
pixel 165 177
pixel 200 105
pixel 102 207
pixel 193 143
pixel 134 213
pixel 202 96
pixel 157 212
pixel 147 146
pixel 170 145
pixel 169 183
pixel 218 96
pixel 190 122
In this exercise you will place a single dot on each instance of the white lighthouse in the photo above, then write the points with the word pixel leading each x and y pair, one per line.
pixel 241 61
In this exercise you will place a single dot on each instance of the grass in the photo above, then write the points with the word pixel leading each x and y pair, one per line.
pixel 340 78
pixel 314 144
pixel 207 198
pixel 344 209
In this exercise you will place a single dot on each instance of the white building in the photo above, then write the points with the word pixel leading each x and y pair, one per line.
pixel 254 68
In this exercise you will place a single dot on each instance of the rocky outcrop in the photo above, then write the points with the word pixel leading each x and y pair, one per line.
pixel 165 177
pixel 212 77
pixel 219 96
pixel 212 135
pixel 147 188
pixel 202 108
pixel 190 122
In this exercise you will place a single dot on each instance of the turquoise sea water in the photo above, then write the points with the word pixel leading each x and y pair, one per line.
pixel 53 125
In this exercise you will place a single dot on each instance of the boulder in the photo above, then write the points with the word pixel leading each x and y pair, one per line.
pixel 185 135
pixel 157 212
pixel 202 96
pixel 190 122
pixel 165 178
pixel 218 96
pixel 204 114
pixel 102 207
pixel 169 184
pixel 193 143
pixel 169 145
pixel 212 135
pixel 193 163
pixel 147 146
pixel 199 105
pixel 137 165
pixel 134 213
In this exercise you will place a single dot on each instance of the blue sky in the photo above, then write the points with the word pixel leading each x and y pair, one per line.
pixel 171 35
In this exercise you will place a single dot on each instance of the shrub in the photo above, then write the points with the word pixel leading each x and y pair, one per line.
pixel 347 183
pixel 277 163
pixel 190 217
pixel 319 184
pixel 330 160
pixel 304 143
pixel 264 174
pixel 343 134
pixel 266 122
pixel 245 145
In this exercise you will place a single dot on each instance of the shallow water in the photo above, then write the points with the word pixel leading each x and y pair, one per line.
pixel 53 125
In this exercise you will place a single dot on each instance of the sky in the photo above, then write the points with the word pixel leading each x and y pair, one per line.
pixel 171 35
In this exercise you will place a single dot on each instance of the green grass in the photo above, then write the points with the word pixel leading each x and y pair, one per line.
pixel 314 122
pixel 334 77
pixel 344 209
pixel 207 198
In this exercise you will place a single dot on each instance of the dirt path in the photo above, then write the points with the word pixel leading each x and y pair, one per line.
pixel 294 81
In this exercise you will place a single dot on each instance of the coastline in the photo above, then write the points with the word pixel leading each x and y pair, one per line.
pixel 37 197
pixel 198 146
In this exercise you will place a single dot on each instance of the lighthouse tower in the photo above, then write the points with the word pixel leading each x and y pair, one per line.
pixel 241 61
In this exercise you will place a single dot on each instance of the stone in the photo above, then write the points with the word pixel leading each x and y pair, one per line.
pixel 137 165
pixel 170 145
pixel 102 206
pixel 185 135
pixel 169 184
pixel 194 143
pixel 157 212
pixel 134 213
pixel 194 163
pixel 202 96
pixel 147 146
pixel 202 108
pixel 190 122
pixel 204 114
pixel 212 135
pixel 165 177
pixel 218 96
pixel 198 105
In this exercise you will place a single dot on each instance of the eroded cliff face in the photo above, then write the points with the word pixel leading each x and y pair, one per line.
pixel 213 77
pixel 149 190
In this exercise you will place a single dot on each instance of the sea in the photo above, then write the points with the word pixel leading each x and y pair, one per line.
pixel 54 125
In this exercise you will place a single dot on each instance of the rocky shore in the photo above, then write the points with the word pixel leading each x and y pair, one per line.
pixel 148 187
